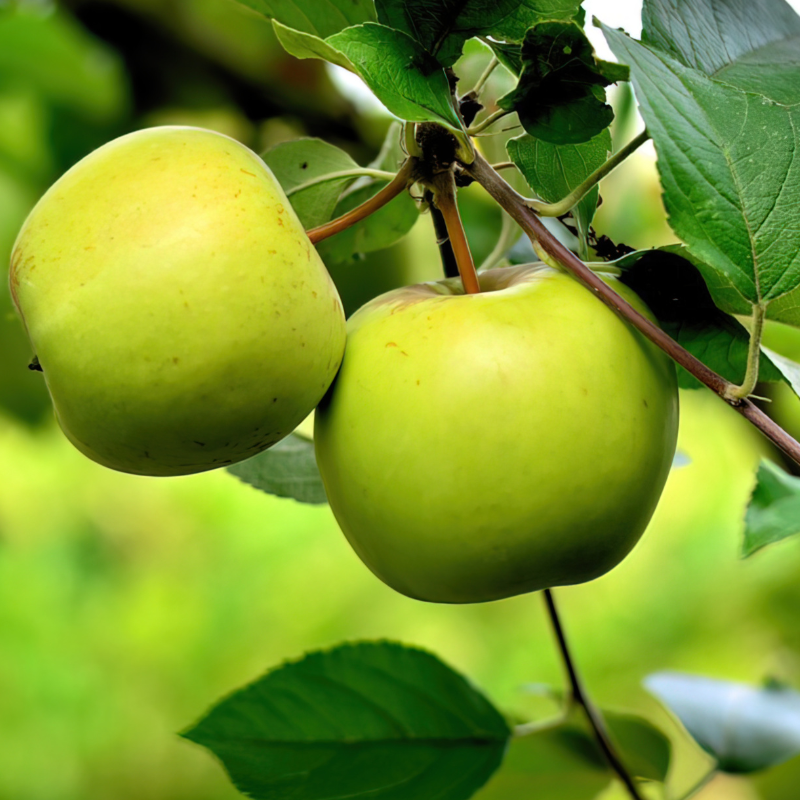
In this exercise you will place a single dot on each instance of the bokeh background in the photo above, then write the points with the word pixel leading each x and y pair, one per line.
pixel 128 605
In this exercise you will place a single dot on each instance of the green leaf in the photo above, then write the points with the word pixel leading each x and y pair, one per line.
pixel 560 96
pixel 562 761
pixel 403 76
pixel 381 229
pixel 287 469
pixel 306 45
pixel 671 283
pixel 751 44
pixel 513 26
pixel 322 18
pixel 743 727
pixel 296 163
pixel 730 177
pixel 645 749
pixel 774 510
pixel 377 720
pixel 442 26
pixel 553 170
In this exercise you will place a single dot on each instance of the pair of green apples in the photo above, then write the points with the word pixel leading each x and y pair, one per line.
pixel 473 447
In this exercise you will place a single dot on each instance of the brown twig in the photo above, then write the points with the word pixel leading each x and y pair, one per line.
pixel 395 187
pixel 444 197
pixel 580 697
pixel 516 206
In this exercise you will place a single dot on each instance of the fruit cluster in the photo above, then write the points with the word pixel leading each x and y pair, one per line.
pixel 472 447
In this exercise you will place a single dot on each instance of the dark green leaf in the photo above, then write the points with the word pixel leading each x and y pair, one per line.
pixel 379 230
pixel 563 762
pixel 645 750
pixel 513 26
pixel 730 175
pixel 509 54
pixel 403 76
pixel 322 18
pixel 774 510
pixel 751 44
pixel 442 26
pixel 375 720
pixel 560 96
pixel 287 469
pixel 743 727
pixel 296 163
pixel 553 170
pixel 672 286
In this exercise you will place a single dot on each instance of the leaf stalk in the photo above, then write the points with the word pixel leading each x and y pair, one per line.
pixel 398 184
pixel 487 73
pixel 565 205
pixel 753 356
pixel 490 120
pixel 360 172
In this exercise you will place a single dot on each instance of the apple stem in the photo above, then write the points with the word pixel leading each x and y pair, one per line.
pixel 444 197
pixel 399 183
pixel 579 696
pixel 449 264
pixel 517 207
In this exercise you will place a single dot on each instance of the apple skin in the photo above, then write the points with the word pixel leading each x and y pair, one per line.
pixel 180 314
pixel 475 447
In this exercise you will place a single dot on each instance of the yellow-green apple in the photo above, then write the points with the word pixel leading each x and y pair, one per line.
pixel 475 447
pixel 180 314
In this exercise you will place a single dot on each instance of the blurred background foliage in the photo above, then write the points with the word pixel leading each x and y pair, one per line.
pixel 128 605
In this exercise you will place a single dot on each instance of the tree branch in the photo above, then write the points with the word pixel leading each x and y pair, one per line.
pixel 580 697
pixel 517 207
pixel 395 187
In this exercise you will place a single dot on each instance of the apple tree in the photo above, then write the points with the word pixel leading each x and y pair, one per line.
pixel 206 262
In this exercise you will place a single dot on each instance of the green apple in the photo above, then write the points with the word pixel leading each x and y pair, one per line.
pixel 180 314
pixel 475 447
